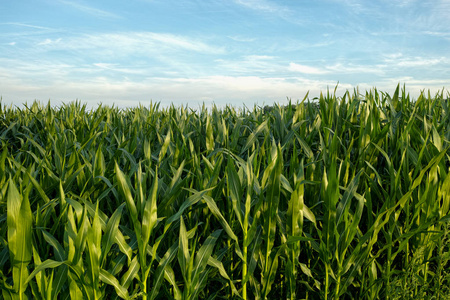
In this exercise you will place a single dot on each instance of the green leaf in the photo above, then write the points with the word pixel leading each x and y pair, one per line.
pixel 348 195
pixel 183 250
pixel 94 243
pixel 216 212
pixel 126 191
pixel 219 266
pixel 161 270
pixel 253 136
pixel 271 202
pixel 129 275
pixel 164 147
pixel 234 185
pixel 99 164
pixel 112 230
pixel 203 255
pixel 48 264
pixel 19 221
pixel 193 199
pixel 150 216
pixel 59 250
pixel 209 134
pixel 108 278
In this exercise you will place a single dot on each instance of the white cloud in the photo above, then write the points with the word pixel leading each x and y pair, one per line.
pixel 437 33
pixel 272 8
pixel 420 62
pixel 104 65
pixel 403 3
pixel 117 68
pixel 25 25
pixel 393 56
pixel 357 6
pixel 149 43
pixel 306 69
pixel 411 81
pixel 235 90
pixel 242 39
pixel 340 68
pixel 399 60
pixel 33 73
pixel 49 42
pixel 260 57
pixel 89 9
pixel 263 5
pixel 250 65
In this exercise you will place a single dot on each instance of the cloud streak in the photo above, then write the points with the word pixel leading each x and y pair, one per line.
pixel 124 43
pixel 264 6
pixel 49 42
pixel 306 69
pixel 271 8
pixel 25 25
pixel 89 9
pixel 399 60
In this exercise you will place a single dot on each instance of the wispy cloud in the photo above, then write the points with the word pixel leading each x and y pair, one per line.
pixel 26 25
pixel 392 56
pixel 111 55
pixel 138 42
pixel 263 5
pixel 403 3
pixel 436 33
pixel 306 69
pixel 119 69
pixel 420 62
pixel 49 42
pixel 120 44
pixel 399 60
pixel 89 9
pixel 356 6
pixel 242 39
pixel 350 68
pixel 19 30
pixel 250 64
pixel 271 9
pixel 338 69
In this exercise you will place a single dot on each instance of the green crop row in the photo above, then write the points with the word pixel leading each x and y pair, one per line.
pixel 340 197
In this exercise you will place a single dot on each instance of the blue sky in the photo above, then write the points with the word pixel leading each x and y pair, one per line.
pixel 213 51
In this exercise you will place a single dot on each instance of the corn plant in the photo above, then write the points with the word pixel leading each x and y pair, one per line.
pixel 334 197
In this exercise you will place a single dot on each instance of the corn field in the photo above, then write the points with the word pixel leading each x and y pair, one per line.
pixel 341 197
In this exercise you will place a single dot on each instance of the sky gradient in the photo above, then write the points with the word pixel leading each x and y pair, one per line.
pixel 213 51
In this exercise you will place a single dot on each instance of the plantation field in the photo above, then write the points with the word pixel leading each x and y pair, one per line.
pixel 339 197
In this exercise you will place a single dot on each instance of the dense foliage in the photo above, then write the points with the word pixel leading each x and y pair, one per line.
pixel 338 197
